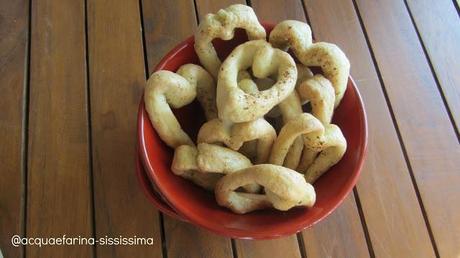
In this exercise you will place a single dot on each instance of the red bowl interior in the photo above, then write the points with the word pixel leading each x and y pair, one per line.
pixel 200 207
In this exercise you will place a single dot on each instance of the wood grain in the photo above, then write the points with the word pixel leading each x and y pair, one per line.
pixel 387 196
pixel 427 133
pixel 161 35
pixel 58 193
pixel 14 32
pixel 186 240
pixel 160 32
pixel 439 28
pixel 282 247
pixel 117 77
pixel 337 236
pixel 347 216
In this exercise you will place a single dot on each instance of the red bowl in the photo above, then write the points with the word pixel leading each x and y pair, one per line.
pixel 152 195
pixel 200 207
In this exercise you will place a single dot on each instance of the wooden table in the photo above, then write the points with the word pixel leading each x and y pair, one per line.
pixel 71 76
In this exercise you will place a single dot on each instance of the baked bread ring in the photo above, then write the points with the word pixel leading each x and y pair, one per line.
pixel 235 135
pixel 331 147
pixel 331 59
pixel 207 163
pixel 284 189
pixel 235 105
pixel 166 89
pixel 320 93
pixel 302 124
pixel 222 25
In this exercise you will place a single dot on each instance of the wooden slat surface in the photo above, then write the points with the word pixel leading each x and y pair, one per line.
pixel 388 199
pixel 439 28
pixel 68 126
pixel 347 217
pixel 14 33
pixel 161 35
pixel 427 133
pixel 58 190
pixel 116 81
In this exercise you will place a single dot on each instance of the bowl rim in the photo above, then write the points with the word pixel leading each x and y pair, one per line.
pixel 237 233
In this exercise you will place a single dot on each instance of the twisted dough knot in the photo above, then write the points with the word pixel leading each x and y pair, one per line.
pixel 165 89
pixel 222 25
pixel 206 164
pixel 235 135
pixel 284 189
pixel 331 59
pixel 235 105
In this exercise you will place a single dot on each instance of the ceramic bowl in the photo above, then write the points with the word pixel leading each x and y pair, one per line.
pixel 199 206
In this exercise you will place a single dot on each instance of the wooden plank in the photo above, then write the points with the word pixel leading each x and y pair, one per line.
pixel 161 34
pixel 58 193
pixel 282 247
pixel 186 240
pixel 395 222
pixel 427 133
pixel 182 239
pixel 347 217
pixel 117 78
pixel 332 238
pixel 14 33
pixel 208 6
pixel 438 23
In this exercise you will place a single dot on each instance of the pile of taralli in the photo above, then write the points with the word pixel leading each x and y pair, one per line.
pixel 239 155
